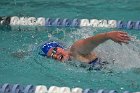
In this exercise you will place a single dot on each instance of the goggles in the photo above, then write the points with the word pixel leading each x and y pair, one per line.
pixel 54 56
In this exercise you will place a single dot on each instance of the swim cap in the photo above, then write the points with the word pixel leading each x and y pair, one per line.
pixel 47 46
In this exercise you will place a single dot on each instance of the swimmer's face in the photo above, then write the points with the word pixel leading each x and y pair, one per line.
pixel 58 53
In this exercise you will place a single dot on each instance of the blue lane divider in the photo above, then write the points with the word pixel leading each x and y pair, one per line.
pixel 113 91
pixel 57 22
pixel 88 91
pixel 29 89
pixel 75 22
pixel 121 25
pixel 48 22
pixel 128 25
pixel 65 22
pixel 137 25
pixel 16 88
pixel 126 92
pixel 6 88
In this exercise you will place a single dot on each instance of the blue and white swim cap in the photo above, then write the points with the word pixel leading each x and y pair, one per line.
pixel 47 46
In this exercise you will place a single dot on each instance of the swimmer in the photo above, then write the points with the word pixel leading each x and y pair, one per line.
pixel 82 50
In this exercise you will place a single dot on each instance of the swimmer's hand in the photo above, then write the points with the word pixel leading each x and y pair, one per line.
pixel 118 36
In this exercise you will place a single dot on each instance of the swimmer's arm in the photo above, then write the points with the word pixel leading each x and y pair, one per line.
pixel 85 46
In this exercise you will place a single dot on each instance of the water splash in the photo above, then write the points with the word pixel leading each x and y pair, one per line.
pixel 120 57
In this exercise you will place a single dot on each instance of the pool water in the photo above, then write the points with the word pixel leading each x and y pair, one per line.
pixel 20 62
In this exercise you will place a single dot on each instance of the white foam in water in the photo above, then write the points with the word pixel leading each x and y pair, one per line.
pixel 120 57
pixel 82 33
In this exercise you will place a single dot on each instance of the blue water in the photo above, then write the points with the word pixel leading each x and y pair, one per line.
pixel 20 62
